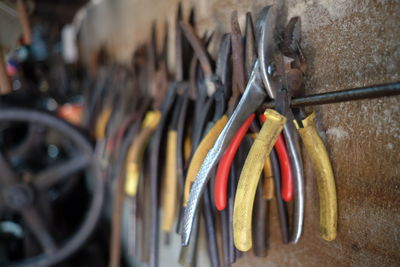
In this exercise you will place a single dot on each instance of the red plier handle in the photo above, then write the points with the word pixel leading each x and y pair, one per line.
pixel 221 181
pixel 224 166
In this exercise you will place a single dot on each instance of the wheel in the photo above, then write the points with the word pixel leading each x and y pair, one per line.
pixel 21 196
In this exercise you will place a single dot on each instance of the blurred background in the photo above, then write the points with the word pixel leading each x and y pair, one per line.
pixel 56 51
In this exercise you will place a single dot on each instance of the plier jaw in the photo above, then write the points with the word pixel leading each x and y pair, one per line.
pixel 267 49
pixel 282 101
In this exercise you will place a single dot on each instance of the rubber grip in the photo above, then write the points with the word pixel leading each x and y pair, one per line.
pixel 268 185
pixel 287 186
pixel 325 179
pixel 171 182
pixel 136 150
pixel 224 166
pixel 249 178
pixel 187 146
pixel 201 152
pixel 102 123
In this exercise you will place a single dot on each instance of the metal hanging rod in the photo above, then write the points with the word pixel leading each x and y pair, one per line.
pixel 374 91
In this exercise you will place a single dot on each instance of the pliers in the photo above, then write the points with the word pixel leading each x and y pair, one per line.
pixel 202 110
pixel 175 162
pixel 212 128
pixel 225 163
pixel 275 76
pixel 159 88
pixel 266 51
pixel 219 120
pixel 208 96
pixel 254 95
pixel 152 118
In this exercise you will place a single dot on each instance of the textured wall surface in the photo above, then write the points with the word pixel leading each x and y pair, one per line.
pixel 10 28
pixel 347 44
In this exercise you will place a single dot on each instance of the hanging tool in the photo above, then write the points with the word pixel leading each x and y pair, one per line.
pixel 249 178
pixel 118 137
pixel 281 77
pixel 213 128
pixel 182 51
pixel 208 140
pixel 136 151
pixel 163 98
pixel 264 194
pixel 253 97
pixel 266 51
pixel 115 242
pixel 152 118
pixel 226 159
pixel 266 26
pixel 281 205
pixel 202 111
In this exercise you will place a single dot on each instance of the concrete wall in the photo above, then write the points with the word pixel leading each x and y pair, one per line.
pixel 347 44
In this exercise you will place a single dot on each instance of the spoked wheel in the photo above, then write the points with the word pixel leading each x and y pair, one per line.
pixel 23 194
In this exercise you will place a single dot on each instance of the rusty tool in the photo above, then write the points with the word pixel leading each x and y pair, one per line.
pixel 213 128
pixel 253 97
pixel 226 160
pixel 203 103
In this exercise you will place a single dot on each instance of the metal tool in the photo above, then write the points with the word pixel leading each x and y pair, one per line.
pixel 212 129
pixel 374 91
pixel 252 98
pixel 249 179
pixel 163 98
pixel 281 205
pixel 155 145
pixel 266 51
pixel 203 103
pixel 119 139
pixel 227 158
pixel 170 187
pixel 280 76
pixel 119 178
pixel 136 150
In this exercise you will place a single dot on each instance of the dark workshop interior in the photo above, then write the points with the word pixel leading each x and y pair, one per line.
pixel 199 133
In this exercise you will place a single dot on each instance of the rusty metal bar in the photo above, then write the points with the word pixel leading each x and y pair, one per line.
pixel 374 91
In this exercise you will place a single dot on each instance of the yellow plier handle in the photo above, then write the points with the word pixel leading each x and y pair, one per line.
pixel 170 186
pixel 101 123
pixel 325 179
pixel 268 184
pixel 249 178
pixel 136 150
pixel 201 152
